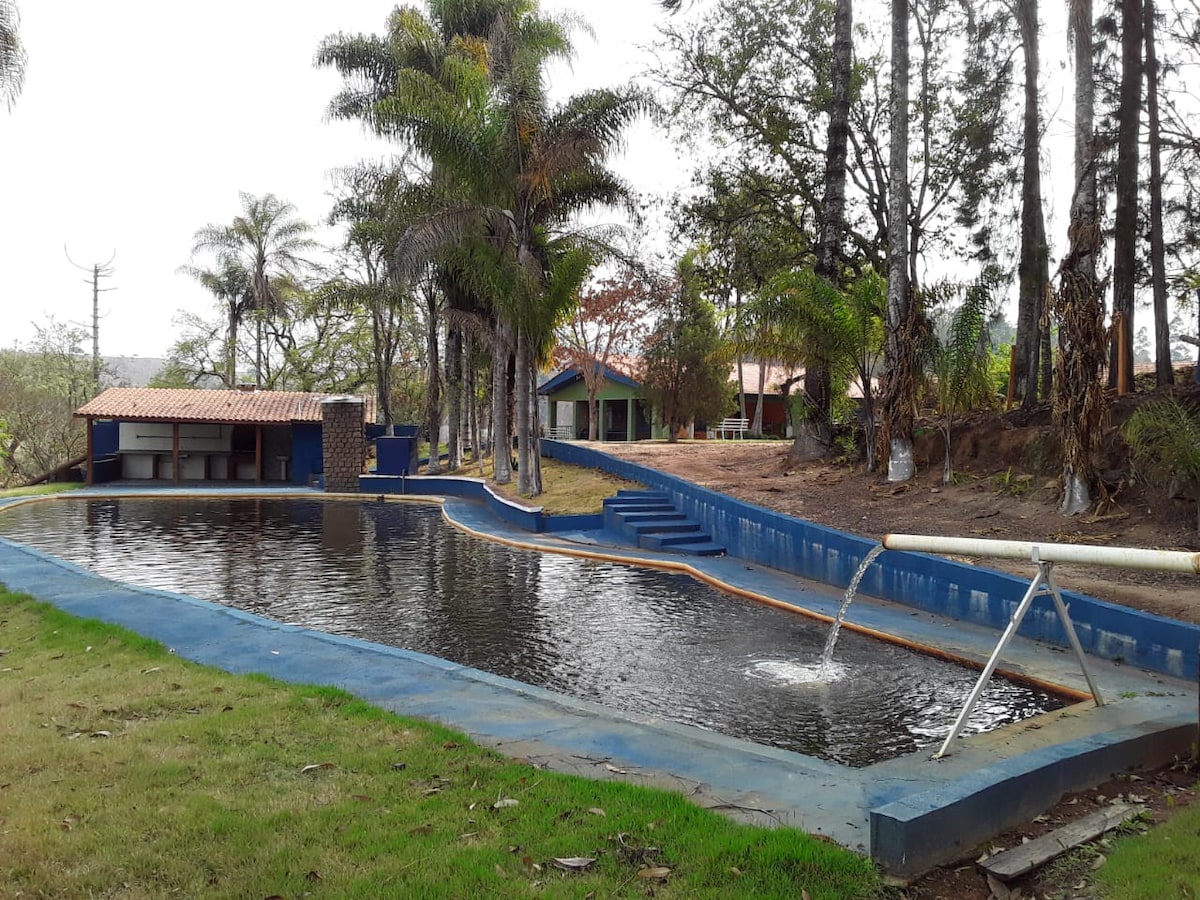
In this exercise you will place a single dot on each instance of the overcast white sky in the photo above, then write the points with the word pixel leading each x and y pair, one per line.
pixel 141 120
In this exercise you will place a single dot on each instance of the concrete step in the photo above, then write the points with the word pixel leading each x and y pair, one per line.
pixel 697 548
pixel 659 526
pixel 626 493
pixel 634 516
pixel 622 504
pixel 667 540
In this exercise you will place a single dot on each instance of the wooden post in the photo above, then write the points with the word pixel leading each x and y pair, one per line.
pixel 91 451
pixel 175 452
pixel 1123 373
pixel 258 461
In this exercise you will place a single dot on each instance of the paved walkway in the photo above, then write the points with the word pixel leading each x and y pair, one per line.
pixel 753 782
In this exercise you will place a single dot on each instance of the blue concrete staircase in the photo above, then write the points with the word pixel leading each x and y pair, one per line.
pixel 651 521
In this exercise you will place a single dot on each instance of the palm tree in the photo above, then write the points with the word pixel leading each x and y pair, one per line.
pixel 898 395
pixel 266 240
pixel 1079 398
pixel 231 285
pixel 12 54
pixel 508 175
pixel 804 320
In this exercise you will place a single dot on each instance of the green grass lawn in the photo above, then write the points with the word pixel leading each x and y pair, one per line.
pixel 128 772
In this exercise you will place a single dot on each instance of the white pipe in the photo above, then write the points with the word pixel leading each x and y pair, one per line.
pixel 1080 554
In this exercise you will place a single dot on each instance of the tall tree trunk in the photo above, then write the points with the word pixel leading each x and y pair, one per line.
pixel 756 427
pixel 1045 356
pixel 1164 374
pixel 899 394
pixel 501 436
pixel 812 434
pixel 521 396
pixel 534 449
pixel 454 399
pixel 1033 266
pixel 1125 225
pixel 231 348
pixel 1079 395
pixel 433 398
pixel 741 347
pixel 381 350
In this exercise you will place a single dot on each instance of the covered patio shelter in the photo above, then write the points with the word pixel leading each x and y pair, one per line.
pixel 180 434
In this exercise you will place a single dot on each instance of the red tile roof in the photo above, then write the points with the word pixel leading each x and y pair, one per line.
pixel 228 407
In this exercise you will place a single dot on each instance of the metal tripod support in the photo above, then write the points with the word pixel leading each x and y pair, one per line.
pixel 1043 584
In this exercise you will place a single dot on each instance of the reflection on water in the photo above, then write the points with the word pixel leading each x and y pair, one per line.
pixel 634 639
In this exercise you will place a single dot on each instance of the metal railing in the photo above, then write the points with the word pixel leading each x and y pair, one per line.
pixel 1044 556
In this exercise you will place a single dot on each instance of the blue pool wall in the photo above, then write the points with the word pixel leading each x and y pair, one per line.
pixel 524 517
pixel 960 591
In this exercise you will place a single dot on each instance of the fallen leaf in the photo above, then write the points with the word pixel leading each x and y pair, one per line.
pixel 1098 862
pixel 314 766
pixel 363 798
pixel 500 870
pixel 76 706
pixel 658 873
pixel 101 734
pixel 734 870
pixel 611 768
pixel 573 863
pixel 505 803
pixel 399 767
pixel 597 811
pixel 450 745
pixel 314 875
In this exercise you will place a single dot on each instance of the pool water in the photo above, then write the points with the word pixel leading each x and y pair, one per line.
pixel 635 639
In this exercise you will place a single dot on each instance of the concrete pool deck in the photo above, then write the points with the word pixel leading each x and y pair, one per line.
pixel 907 813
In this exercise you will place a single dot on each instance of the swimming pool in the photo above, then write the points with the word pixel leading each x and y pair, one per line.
pixel 634 639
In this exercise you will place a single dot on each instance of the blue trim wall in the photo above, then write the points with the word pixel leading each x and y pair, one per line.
pixel 523 517
pixel 969 593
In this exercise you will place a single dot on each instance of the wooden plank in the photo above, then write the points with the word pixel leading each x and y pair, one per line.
pixel 1019 860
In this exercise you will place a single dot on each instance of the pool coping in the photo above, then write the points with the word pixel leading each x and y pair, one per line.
pixel 908 813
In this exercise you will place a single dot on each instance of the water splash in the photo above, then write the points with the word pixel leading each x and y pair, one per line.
pixel 794 673
pixel 831 640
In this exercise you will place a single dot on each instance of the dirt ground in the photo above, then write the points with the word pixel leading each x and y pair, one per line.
pixel 1005 487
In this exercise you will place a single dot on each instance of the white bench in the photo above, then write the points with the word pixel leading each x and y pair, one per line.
pixel 732 427
pixel 560 433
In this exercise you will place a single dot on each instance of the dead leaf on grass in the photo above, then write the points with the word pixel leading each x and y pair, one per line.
pixel 505 802
pixel 101 734
pixel 315 766
pixel 654 873
pixel 597 811
pixel 611 768
pixel 573 863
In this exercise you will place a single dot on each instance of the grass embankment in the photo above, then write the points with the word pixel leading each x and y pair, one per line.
pixel 128 772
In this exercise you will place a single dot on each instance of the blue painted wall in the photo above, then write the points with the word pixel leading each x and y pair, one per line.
pixel 927 582
pixel 307 455
pixel 533 520
pixel 105 438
